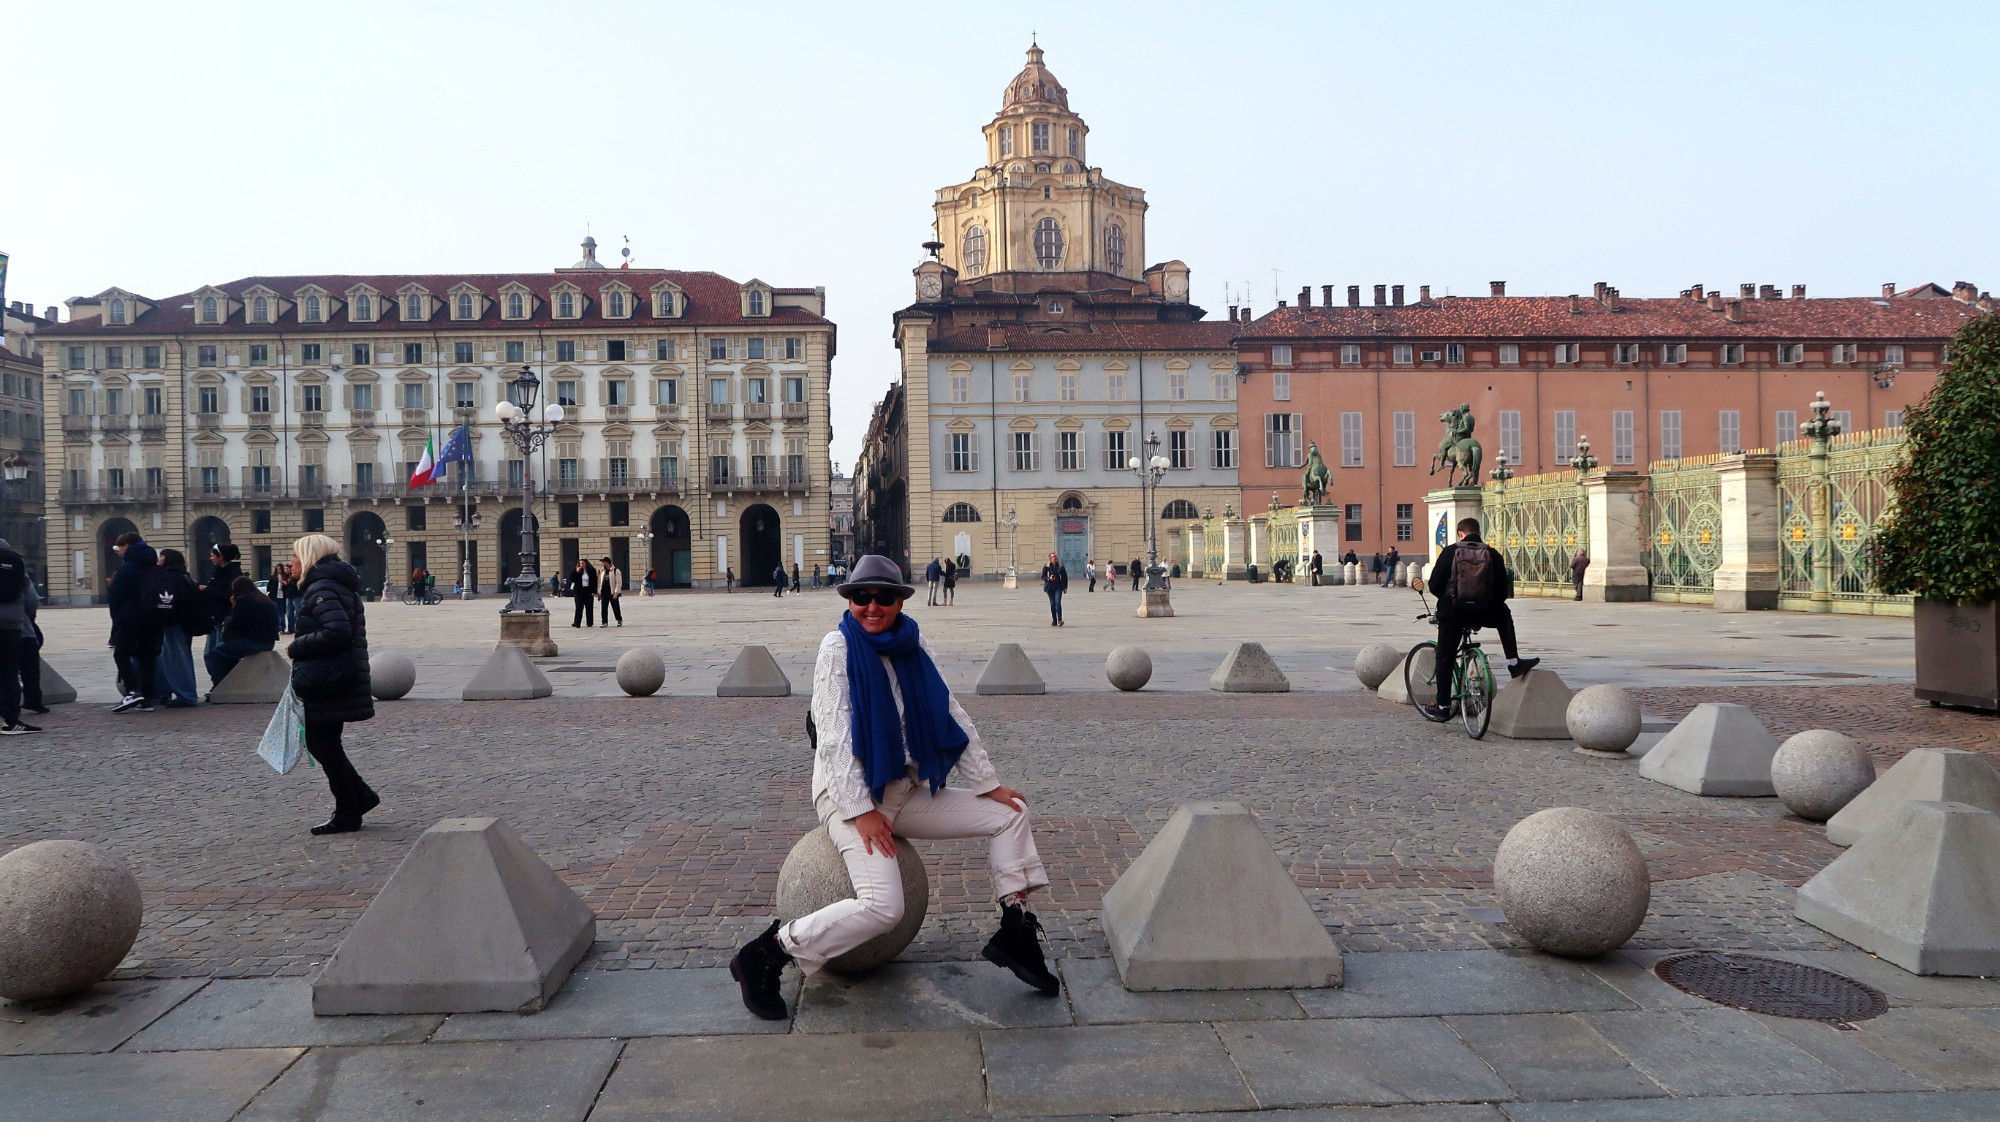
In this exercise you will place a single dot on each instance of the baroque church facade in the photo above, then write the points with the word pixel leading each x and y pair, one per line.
pixel 1042 354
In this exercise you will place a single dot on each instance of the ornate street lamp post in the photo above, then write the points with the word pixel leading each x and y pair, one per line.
pixel 1150 471
pixel 468 524
pixel 1821 429
pixel 516 413
pixel 1010 524
pixel 1583 462
pixel 1500 474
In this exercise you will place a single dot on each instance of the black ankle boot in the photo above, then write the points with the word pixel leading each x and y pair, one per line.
pixel 757 968
pixel 1018 947
pixel 337 825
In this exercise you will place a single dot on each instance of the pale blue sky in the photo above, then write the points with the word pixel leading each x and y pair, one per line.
pixel 162 146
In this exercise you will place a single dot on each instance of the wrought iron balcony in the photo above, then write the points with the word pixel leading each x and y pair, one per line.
pixel 85 496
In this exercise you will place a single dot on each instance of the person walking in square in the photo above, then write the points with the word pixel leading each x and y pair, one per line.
pixel 30 650
pixel 610 587
pixel 1090 574
pixel 933 576
pixel 17 631
pixel 888 740
pixel 583 590
pixel 950 580
pixel 816 576
pixel 176 663
pixel 1389 564
pixel 1578 565
pixel 728 579
pixel 652 578
pixel 330 674
pixel 778 580
pixel 1055 582
pixel 135 623
pixel 795 576
pixel 1138 570
pixel 1317 566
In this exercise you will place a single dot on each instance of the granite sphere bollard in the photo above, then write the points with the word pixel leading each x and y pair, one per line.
pixel 69 912
pixel 1603 719
pixel 1571 881
pixel 1375 663
pixel 641 672
pixel 1129 667
pixel 1818 771
pixel 814 876
pixel 391 675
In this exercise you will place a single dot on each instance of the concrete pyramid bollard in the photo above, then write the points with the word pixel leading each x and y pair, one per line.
pixel 56 689
pixel 1248 669
pixel 1395 688
pixel 1208 907
pixel 1719 749
pixel 1010 672
pixel 754 674
pixel 1923 775
pixel 1534 706
pixel 472 921
pixel 1922 890
pixel 509 675
pixel 258 680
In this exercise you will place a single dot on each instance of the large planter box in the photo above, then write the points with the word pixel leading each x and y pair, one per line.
pixel 1958 653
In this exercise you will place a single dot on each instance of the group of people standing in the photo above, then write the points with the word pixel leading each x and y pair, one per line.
pixel 596 592
pixel 941 578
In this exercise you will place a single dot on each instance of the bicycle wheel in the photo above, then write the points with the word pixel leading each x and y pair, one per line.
pixel 411 597
pixel 1475 691
pixel 1420 677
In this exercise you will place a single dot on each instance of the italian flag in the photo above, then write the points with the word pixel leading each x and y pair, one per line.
pixel 426 473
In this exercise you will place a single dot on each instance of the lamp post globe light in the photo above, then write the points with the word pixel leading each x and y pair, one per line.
pixel 524 620
pixel 1150 471
pixel 1583 462
pixel 1821 429
pixel 1010 524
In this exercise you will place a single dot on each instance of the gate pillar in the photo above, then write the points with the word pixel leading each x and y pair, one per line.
pixel 1747 579
pixel 1617 569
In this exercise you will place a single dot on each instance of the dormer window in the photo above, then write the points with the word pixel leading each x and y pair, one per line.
pixel 260 310
pixel 313 310
pixel 663 304
pixel 208 309
pixel 514 306
pixel 614 305
pixel 465 305
pixel 566 305
pixel 413 307
pixel 756 302
pixel 364 308
pixel 117 312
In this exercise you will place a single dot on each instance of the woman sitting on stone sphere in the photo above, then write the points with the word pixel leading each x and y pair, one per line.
pixel 889 735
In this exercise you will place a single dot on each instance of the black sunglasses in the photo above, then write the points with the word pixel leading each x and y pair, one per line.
pixel 862 597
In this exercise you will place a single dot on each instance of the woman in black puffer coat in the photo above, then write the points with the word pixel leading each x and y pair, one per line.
pixel 330 672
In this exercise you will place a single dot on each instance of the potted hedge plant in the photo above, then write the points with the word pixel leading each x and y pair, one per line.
pixel 1942 543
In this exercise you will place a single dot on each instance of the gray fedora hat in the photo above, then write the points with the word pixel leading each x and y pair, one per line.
pixel 875 571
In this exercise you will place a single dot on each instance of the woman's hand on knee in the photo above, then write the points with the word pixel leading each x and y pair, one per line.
pixel 1009 798
pixel 876 834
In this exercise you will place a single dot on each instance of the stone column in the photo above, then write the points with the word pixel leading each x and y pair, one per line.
pixel 1747 579
pixel 1319 529
pixel 1445 507
pixel 1260 544
pixel 1235 550
pixel 1615 540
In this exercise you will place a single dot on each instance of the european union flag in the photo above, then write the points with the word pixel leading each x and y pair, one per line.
pixel 458 449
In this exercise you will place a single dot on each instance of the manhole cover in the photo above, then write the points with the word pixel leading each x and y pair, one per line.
pixel 582 669
pixel 1768 985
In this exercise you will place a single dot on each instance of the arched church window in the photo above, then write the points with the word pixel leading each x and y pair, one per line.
pixel 1114 247
pixel 961 512
pixel 1048 243
pixel 1072 502
pixel 975 249
pixel 1040 133
pixel 1179 510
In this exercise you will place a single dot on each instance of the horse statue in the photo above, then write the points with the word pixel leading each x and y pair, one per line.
pixel 1458 451
pixel 1318 479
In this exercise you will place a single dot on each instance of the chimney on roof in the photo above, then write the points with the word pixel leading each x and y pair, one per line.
pixel 996 338
pixel 1423 294
pixel 1611 297
pixel 1382 295
pixel 1597 290
pixel 1695 292
pixel 1888 289
pixel 1746 291
pixel 1246 316
pixel 1326 295
pixel 1733 311
pixel 1985 302
pixel 1396 294
pixel 1715 300
pixel 1232 313
pixel 1353 295
pixel 1496 288
pixel 1281 303
pixel 1964 291
pixel 1306 296
pixel 49 313
pixel 1798 292
pixel 1767 292
pixel 1575 304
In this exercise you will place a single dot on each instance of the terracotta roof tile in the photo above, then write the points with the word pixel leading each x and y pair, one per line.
pixel 1585 317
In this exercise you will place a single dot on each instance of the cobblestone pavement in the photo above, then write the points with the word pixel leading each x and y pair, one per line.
pixel 671 815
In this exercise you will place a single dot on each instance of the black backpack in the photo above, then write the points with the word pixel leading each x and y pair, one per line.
pixel 191 612
pixel 1475 577
pixel 163 597
pixel 13 576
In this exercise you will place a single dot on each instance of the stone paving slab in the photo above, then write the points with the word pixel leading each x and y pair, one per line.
pixel 628 1003
pixel 1715 1052
pixel 163 1087
pixel 1465 982
pixel 1552 1056
pixel 269 1013
pixel 1846 1051
pixel 1942 1047
pixel 1311 1063
pixel 1945 1106
pixel 96 1020
pixel 906 996
pixel 1099 998
pixel 1941 1106
pixel 871 1077
pixel 1630 972
pixel 1104 1069
pixel 1438 1112
pixel 538 1081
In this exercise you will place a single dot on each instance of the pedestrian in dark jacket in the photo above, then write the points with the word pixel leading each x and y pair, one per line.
pixel 1577 567
pixel 1055 582
pixel 795 576
pixel 330 673
pixel 583 589
pixel 778 580
pixel 1138 571
pixel 135 623
pixel 226 557
pixel 1455 616
pixel 176 664
pixel 252 627
pixel 1389 564
pixel 19 655
pixel 1317 567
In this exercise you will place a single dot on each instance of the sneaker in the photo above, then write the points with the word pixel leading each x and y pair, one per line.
pixel 1521 667
pixel 1017 946
pixel 1437 713
pixel 16 728
pixel 38 710
pixel 129 701
pixel 757 969
pixel 144 706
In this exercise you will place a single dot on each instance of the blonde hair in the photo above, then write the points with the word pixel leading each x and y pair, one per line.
pixel 312 549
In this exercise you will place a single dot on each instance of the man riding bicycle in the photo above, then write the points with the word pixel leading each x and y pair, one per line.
pixel 1472 586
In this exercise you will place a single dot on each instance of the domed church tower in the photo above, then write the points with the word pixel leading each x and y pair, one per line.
pixel 1038 207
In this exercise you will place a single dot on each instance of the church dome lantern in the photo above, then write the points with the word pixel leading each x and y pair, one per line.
pixel 1034 87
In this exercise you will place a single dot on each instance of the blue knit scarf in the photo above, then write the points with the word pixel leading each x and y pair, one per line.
pixel 933 739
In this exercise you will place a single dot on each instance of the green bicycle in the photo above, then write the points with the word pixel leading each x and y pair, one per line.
pixel 1471 678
